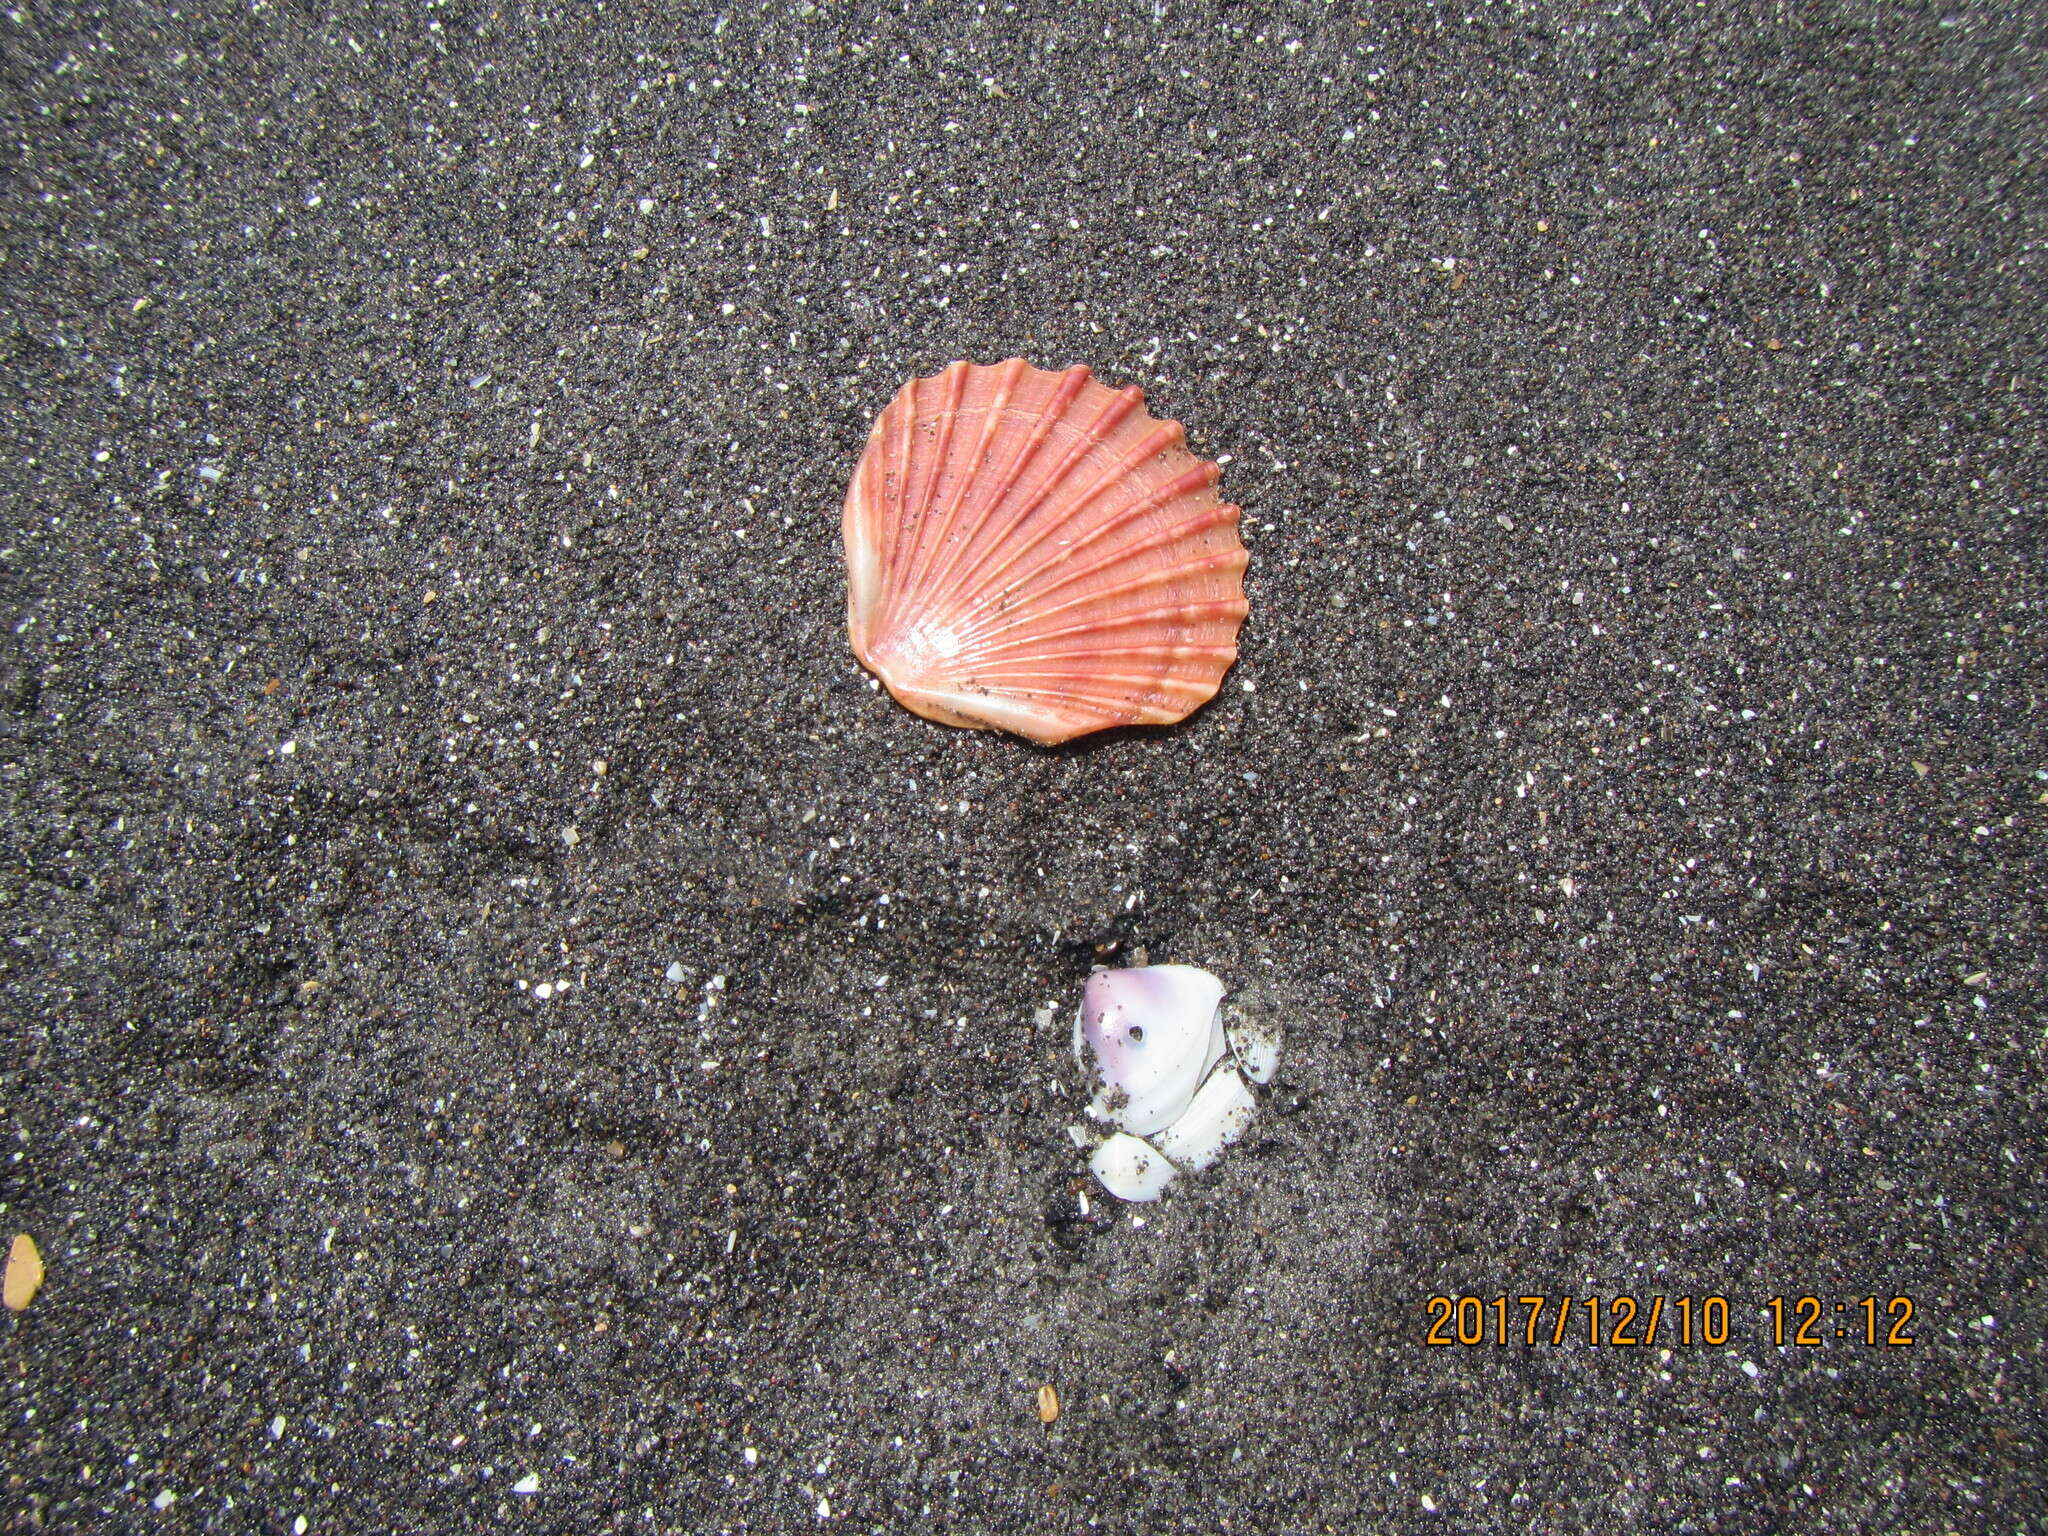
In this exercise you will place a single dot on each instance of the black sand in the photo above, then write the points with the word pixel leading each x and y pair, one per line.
pixel 1630 789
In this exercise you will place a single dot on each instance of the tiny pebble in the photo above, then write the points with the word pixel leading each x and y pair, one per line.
pixel 528 1484
pixel 24 1272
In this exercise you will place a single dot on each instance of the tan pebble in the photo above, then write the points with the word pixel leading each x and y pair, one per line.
pixel 24 1272
pixel 1048 1401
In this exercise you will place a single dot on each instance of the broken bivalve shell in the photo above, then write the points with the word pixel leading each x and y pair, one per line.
pixel 1167 1074
pixel 1031 551
pixel 1216 1117
pixel 1256 1044
pixel 1153 1033
pixel 1131 1169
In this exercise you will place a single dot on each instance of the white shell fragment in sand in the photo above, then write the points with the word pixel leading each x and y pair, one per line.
pixel 1257 1043
pixel 24 1272
pixel 1168 1074
pixel 1131 1169
pixel 1215 1117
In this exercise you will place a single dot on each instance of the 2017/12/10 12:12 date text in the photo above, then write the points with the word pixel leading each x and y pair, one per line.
pixel 1624 1320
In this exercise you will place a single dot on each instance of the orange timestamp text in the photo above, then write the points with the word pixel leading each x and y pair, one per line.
pixel 1671 1320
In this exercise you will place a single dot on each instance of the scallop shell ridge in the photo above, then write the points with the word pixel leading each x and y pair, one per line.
pixel 1032 551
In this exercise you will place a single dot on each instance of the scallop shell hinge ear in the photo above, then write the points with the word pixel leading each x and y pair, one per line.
pixel 1032 551
pixel 1168 1076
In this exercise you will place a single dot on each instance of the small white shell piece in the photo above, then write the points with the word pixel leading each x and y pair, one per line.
pixel 1168 1075
pixel 1216 1118
pixel 1257 1044
pixel 1131 1169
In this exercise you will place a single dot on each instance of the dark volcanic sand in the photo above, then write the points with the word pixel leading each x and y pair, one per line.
pixel 1630 790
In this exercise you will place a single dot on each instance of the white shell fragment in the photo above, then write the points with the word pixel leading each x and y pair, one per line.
pixel 1154 1033
pixel 1131 1169
pixel 1217 1117
pixel 1167 1074
pixel 1257 1044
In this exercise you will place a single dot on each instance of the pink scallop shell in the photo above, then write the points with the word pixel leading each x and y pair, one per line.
pixel 1031 551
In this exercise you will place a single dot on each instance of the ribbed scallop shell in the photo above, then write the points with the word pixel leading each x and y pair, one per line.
pixel 1031 551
